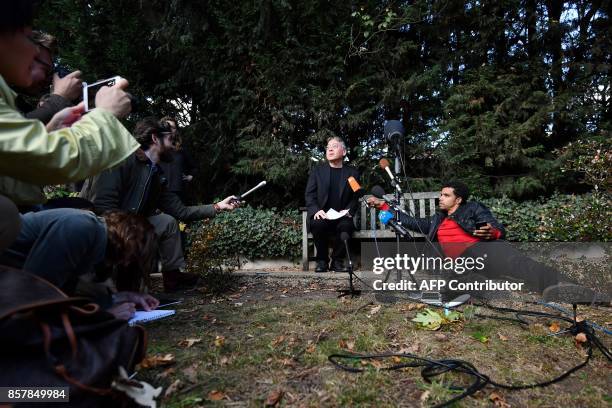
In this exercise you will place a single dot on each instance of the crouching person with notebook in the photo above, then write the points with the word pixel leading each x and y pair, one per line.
pixel 91 255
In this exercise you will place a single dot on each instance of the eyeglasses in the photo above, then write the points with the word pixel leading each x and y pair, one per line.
pixel 333 146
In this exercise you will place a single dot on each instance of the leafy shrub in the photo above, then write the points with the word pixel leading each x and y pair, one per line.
pixel 558 218
pixel 254 233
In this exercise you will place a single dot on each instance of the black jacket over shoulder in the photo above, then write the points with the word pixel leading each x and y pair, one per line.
pixel 317 189
pixel 467 216
pixel 138 187
pixel 52 105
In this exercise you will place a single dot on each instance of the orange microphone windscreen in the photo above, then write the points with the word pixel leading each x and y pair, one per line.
pixel 354 184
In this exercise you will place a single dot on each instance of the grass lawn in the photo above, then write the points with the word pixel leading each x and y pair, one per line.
pixel 267 343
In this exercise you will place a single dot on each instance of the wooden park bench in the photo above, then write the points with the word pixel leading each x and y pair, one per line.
pixel 421 205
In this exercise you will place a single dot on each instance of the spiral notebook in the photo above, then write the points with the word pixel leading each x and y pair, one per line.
pixel 142 317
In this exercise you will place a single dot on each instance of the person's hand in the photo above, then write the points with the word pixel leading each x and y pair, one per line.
pixel 320 215
pixel 375 202
pixel 187 177
pixel 123 311
pixel 66 117
pixel 485 232
pixel 229 203
pixel 144 300
pixel 69 87
pixel 114 99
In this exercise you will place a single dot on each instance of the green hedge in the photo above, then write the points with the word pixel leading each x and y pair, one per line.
pixel 257 233
pixel 254 233
pixel 560 218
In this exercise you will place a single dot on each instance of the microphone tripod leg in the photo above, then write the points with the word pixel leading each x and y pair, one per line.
pixel 351 291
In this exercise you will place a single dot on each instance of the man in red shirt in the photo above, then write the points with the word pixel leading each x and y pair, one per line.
pixel 469 229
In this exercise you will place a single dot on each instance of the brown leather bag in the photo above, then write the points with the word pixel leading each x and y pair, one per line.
pixel 48 339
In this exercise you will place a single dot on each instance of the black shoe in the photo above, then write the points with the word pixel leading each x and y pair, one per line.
pixel 570 293
pixel 321 266
pixel 338 266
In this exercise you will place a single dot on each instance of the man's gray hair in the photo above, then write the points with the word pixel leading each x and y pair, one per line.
pixel 339 139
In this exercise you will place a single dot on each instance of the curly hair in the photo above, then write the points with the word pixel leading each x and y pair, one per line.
pixel 149 126
pixel 459 188
pixel 131 241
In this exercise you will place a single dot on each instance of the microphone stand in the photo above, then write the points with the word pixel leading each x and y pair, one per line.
pixel 351 291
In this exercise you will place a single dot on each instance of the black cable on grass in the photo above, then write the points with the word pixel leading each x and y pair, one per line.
pixel 432 368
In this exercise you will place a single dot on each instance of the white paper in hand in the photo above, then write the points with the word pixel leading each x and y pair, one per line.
pixel 334 215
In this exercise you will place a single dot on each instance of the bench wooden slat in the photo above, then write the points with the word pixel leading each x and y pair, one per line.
pixel 363 217
pixel 407 201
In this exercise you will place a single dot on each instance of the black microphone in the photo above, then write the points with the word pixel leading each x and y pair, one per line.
pixel 378 192
pixel 394 130
pixel 345 237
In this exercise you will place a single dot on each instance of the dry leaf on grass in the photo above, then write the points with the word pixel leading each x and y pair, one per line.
pixel 191 373
pixel 412 306
pixel 441 337
pixel 580 338
pixel 498 400
pixel 172 388
pixel 374 310
pixel 502 337
pixel 166 373
pixel 189 342
pixel 215 395
pixel 277 341
pixel 157 361
pixel 274 398
pixel 224 360
pixel 311 349
pixel 219 341
pixel 554 327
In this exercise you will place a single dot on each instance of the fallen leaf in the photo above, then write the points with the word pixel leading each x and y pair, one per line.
pixel 350 345
pixel 274 398
pixel 441 337
pixel 224 360
pixel 580 338
pixel 502 337
pixel 424 396
pixel 498 400
pixel 288 362
pixel 157 361
pixel 172 388
pixel 428 320
pixel 189 342
pixel 412 349
pixel 277 341
pixel 219 341
pixel 215 395
pixel 375 310
pixel 191 373
pixel 166 373
pixel 554 327
pixel 396 359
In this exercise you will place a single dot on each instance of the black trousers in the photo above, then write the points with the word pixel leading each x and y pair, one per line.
pixel 322 230
pixel 502 259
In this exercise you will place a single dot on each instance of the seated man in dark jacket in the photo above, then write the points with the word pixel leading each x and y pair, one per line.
pixel 327 189
pixel 137 186
pixel 469 229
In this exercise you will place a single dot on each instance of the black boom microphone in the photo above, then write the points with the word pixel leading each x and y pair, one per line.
pixel 394 130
